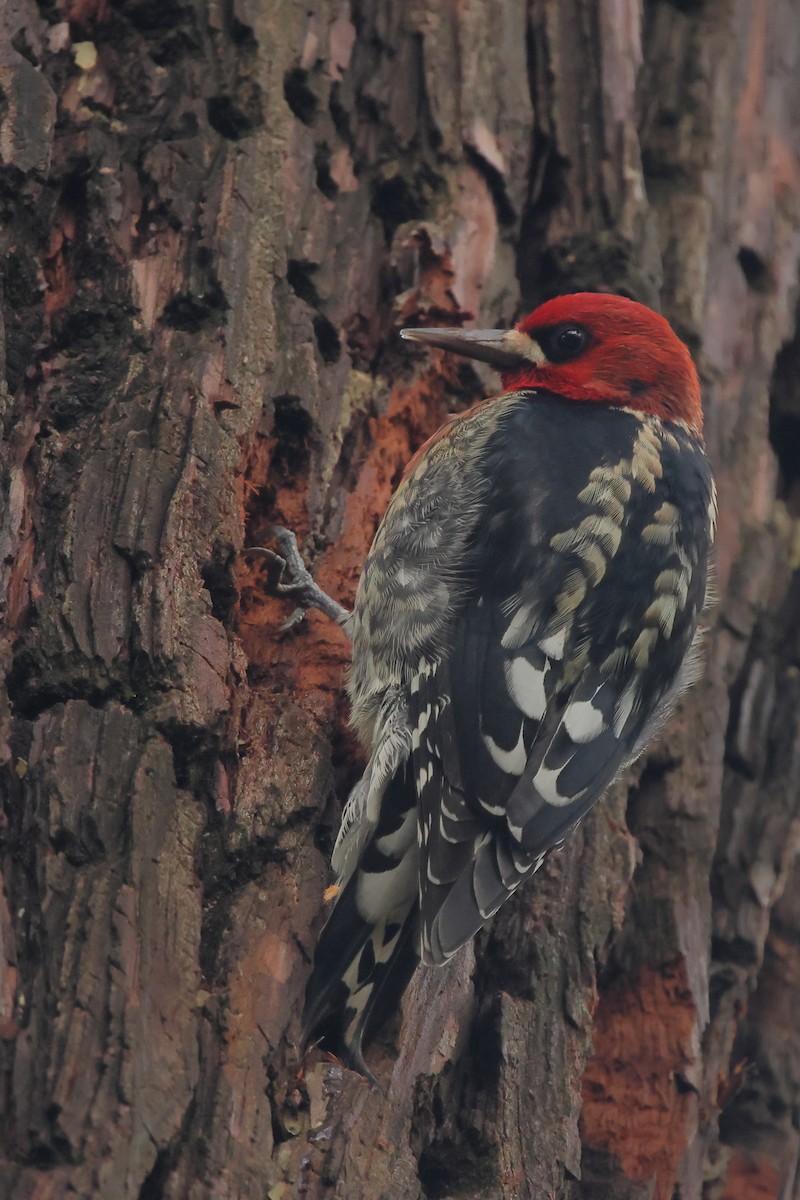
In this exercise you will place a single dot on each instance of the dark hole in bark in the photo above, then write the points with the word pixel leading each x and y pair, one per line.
pixel 322 164
pixel 687 6
pixel 467 1167
pixel 735 950
pixel 784 434
pixel 153 1185
pixel 218 579
pixel 243 35
pixel 754 268
pixel 340 115
pixel 299 277
pixel 299 96
pixel 327 339
pixel 80 848
pixel 232 119
pixel 22 46
pixel 192 312
pixel 291 419
pixel 784 419
pixel 34 687
pixel 588 263
pixel 292 429
pixel 394 201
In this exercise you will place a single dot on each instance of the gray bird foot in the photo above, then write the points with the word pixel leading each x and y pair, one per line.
pixel 287 575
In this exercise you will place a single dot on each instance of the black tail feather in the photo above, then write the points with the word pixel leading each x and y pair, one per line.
pixel 331 1019
pixel 362 964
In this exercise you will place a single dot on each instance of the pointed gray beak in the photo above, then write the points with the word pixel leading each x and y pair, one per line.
pixel 503 349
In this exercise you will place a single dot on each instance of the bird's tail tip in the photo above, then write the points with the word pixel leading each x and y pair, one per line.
pixel 359 976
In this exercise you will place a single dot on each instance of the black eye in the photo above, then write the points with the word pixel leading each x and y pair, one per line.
pixel 566 342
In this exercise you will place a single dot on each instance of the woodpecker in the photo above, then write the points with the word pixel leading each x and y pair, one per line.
pixel 526 617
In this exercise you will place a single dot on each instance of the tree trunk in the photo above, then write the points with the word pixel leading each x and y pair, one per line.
pixel 216 218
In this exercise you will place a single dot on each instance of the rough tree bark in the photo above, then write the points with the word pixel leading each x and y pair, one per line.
pixel 217 215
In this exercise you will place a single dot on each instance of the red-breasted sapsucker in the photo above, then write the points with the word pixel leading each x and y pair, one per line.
pixel 525 619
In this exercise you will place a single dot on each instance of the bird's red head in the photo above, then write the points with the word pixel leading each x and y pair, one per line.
pixel 590 347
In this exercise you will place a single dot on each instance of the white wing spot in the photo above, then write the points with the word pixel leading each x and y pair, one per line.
pixel 397 843
pixel 424 776
pixel 603 530
pixel 422 724
pixel 519 629
pixel 496 810
pixel 434 878
pixel 643 647
pixel 448 812
pixel 423 671
pixel 423 718
pixel 513 762
pixel 516 831
pixel 662 612
pixel 658 535
pixel 553 646
pixel 379 894
pixel 712 512
pixel 625 706
pixel 583 721
pixel 521 862
pixel 546 784
pixel 525 683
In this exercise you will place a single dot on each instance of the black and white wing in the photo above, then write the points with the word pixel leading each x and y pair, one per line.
pixel 568 651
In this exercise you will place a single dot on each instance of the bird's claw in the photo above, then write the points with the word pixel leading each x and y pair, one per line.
pixel 300 585
pixel 294 619
pixel 276 567
pixel 287 563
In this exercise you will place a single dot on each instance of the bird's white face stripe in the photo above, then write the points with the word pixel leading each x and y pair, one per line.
pixel 526 346
pixel 525 683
